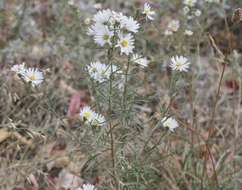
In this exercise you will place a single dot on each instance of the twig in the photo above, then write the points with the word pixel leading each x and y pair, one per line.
pixel 211 122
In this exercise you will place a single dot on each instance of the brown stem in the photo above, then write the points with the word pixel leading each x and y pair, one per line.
pixel 210 128
pixel 216 101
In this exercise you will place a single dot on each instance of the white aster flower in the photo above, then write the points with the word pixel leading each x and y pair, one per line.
pixel 173 26
pixel 186 10
pixel 190 3
pixel 88 187
pixel 103 17
pixel 149 14
pixel 188 32
pixel 198 13
pixel 92 118
pixel 126 43
pixel 142 61
pixel 98 120
pixel 19 69
pixel 169 123
pixel 87 115
pixel 34 76
pixel 103 36
pixel 98 71
pixel 179 63
pixel 129 24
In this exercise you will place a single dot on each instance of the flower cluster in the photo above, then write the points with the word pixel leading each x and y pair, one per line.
pixel 92 118
pixel 100 72
pixel 31 75
pixel 114 29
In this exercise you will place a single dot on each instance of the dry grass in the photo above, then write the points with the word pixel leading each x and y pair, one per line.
pixel 42 147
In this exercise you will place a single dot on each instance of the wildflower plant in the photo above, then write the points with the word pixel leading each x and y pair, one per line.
pixel 112 74
pixel 124 95
pixel 30 75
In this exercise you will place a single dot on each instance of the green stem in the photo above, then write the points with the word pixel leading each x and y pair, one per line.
pixel 110 110
pixel 110 52
pixel 124 101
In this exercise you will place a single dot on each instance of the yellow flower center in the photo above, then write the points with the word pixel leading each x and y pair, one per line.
pixel 190 1
pixel 94 122
pixel 179 64
pixel 105 37
pixel 125 43
pixel 103 72
pixel 32 77
pixel 86 115
pixel 146 11
pixel 93 70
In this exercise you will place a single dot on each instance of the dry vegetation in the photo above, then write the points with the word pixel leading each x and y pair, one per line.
pixel 44 145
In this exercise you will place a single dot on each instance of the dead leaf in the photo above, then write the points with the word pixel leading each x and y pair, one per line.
pixel 31 179
pixel 58 147
pixel 74 105
pixel 4 134
pixel 232 85
pixel 22 139
pixel 78 100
